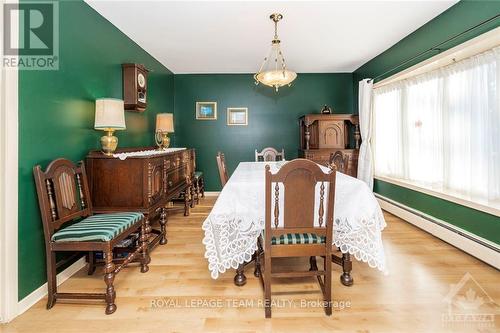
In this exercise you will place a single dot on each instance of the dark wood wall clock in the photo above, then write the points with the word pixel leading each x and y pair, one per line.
pixel 135 85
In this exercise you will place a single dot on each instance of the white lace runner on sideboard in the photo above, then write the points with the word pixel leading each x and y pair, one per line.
pixel 142 153
pixel 237 219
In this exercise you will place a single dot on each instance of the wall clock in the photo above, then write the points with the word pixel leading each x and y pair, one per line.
pixel 135 87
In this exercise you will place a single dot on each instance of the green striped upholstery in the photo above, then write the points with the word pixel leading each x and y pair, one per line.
pixel 198 174
pixel 298 239
pixel 97 228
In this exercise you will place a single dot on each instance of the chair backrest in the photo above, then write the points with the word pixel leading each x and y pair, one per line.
pixel 299 179
pixel 339 160
pixel 63 194
pixel 221 165
pixel 269 154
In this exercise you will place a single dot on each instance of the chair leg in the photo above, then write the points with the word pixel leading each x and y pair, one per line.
pixel 146 259
pixel 163 225
pixel 91 260
pixel 197 191
pixel 51 279
pixel 186 202
pixel 109 277
pixel 267 285
pixel 328 285
pixel 191 195
pixel 202 187
pixel 313 264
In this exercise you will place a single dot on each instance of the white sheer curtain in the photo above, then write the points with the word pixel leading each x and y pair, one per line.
pixel 365 159
pixel 442 128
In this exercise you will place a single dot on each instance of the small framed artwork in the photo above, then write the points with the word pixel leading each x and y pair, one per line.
pixel 206 110
pixel 237 116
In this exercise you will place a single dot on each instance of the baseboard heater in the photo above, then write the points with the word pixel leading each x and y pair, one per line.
pixel 484 249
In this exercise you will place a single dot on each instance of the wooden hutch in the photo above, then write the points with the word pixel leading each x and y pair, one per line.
pixel 324 134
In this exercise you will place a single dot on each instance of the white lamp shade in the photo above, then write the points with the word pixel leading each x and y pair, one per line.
pixel 165 122
pixel 109 113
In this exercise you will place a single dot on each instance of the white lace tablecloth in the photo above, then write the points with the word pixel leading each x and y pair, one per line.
pixel 237 219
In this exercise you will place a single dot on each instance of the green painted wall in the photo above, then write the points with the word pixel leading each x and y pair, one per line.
pixel 455 20
pixel 272 117
pixel 56 114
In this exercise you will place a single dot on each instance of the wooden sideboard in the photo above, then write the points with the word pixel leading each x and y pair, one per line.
pixel 324 134
pixel 140 183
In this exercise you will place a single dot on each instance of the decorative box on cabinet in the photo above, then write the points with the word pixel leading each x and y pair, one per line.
pixel 140 183
pixel 324 134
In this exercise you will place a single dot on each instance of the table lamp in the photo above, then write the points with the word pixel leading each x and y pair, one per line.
pixel 109 117
pixel 164 125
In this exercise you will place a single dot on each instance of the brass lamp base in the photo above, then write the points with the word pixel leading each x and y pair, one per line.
pixel 109 142
pixel 162 140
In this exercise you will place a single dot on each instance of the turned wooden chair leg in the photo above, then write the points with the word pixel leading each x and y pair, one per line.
pixel 197 191
pixel 312 263
pixel 328 285
pixel 191 195
pixel 163 225
pixel 51 279
pixel 146 259
pixel 186 202
pixel 109 277
pixel 267 285
pixel 91 260
pixel 202 187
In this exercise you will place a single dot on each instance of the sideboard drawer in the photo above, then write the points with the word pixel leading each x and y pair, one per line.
pixel 175 178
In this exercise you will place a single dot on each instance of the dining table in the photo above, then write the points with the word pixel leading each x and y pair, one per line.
pixel 237 219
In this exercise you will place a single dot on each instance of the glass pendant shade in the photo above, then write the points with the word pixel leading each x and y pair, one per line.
pixel 276 78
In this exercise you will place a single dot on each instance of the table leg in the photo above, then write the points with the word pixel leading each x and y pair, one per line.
pixel 240 279
pixel 346 278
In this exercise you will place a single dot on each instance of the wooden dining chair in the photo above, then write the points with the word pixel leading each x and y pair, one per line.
pixel 269 154
pixel 298 235
pixel 69 225
pixel 221 166
pixel 340 161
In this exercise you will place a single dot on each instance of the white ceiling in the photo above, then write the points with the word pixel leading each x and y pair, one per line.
pixel 234 36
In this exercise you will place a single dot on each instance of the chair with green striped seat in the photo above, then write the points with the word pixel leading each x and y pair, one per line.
pixel 298 223
pixel 69 225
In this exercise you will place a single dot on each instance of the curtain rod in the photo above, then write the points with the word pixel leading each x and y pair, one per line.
pixel 436 47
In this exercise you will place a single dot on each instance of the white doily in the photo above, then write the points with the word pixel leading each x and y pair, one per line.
pixel 237 219
pixel 123 156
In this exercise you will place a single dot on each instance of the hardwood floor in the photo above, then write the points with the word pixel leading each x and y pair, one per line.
pixel 178 294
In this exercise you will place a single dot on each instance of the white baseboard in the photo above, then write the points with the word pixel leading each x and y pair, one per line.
pixel 489 253
pixel 212 194
pixel 41 292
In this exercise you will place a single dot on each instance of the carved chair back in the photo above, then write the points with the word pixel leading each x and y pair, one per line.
pixel 339 160
pixel 63 194
pixel 269 154
pixel 299 179
pixel 221 165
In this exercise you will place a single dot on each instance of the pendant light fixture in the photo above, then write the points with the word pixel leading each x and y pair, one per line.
pixel 278 75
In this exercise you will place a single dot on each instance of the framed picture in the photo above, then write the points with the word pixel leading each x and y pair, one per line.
pixel 206 110
pixel 237 116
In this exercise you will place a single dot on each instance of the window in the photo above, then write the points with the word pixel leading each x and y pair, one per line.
pixel 441 129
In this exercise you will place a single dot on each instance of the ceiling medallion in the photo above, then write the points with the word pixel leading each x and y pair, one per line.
pixel 278 76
